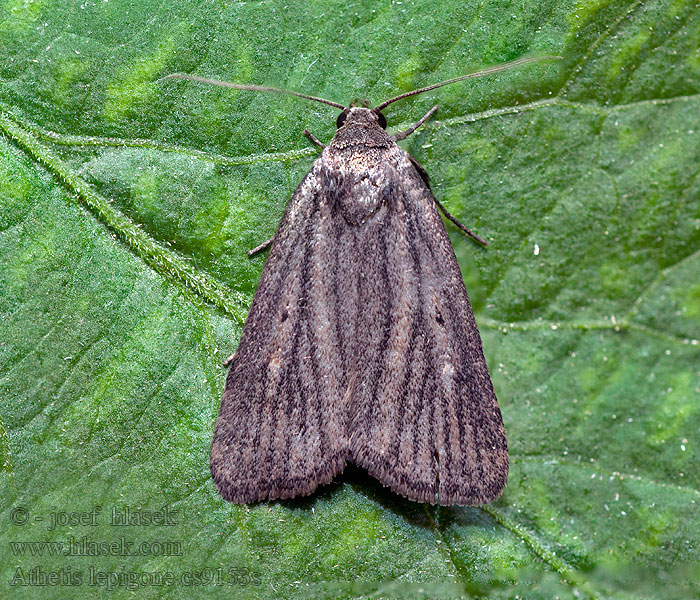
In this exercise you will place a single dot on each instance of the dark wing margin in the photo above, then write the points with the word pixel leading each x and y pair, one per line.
pixel 425 420
pixel 281 431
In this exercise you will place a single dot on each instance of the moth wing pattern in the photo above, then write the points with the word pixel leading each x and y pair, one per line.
pixel 425 420
pixel 280 431
pixel 361 346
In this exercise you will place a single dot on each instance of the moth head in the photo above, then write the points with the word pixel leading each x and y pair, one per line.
pixel 360 114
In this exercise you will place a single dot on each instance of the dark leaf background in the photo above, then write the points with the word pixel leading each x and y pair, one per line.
pixel 127 208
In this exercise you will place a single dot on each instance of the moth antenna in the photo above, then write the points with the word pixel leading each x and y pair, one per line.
pixel 488 71
pixel 253 88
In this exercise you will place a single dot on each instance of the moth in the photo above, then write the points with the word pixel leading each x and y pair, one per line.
pixel 361 344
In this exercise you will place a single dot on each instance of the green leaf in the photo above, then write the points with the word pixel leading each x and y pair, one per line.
pixel 126 211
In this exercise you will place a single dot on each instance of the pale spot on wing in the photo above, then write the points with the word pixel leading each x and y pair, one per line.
pixel 273 366
pixel 448 370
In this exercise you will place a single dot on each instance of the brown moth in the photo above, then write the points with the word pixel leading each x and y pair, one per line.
pixel 361 344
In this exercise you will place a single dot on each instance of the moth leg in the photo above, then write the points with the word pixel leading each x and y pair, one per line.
pixel 401 135
pixel 471 234
pixel 314 139
pixel 262 246
pixel 421 171
pixel 424 176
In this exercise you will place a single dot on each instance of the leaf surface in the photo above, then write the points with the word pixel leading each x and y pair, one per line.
pixel 126 211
